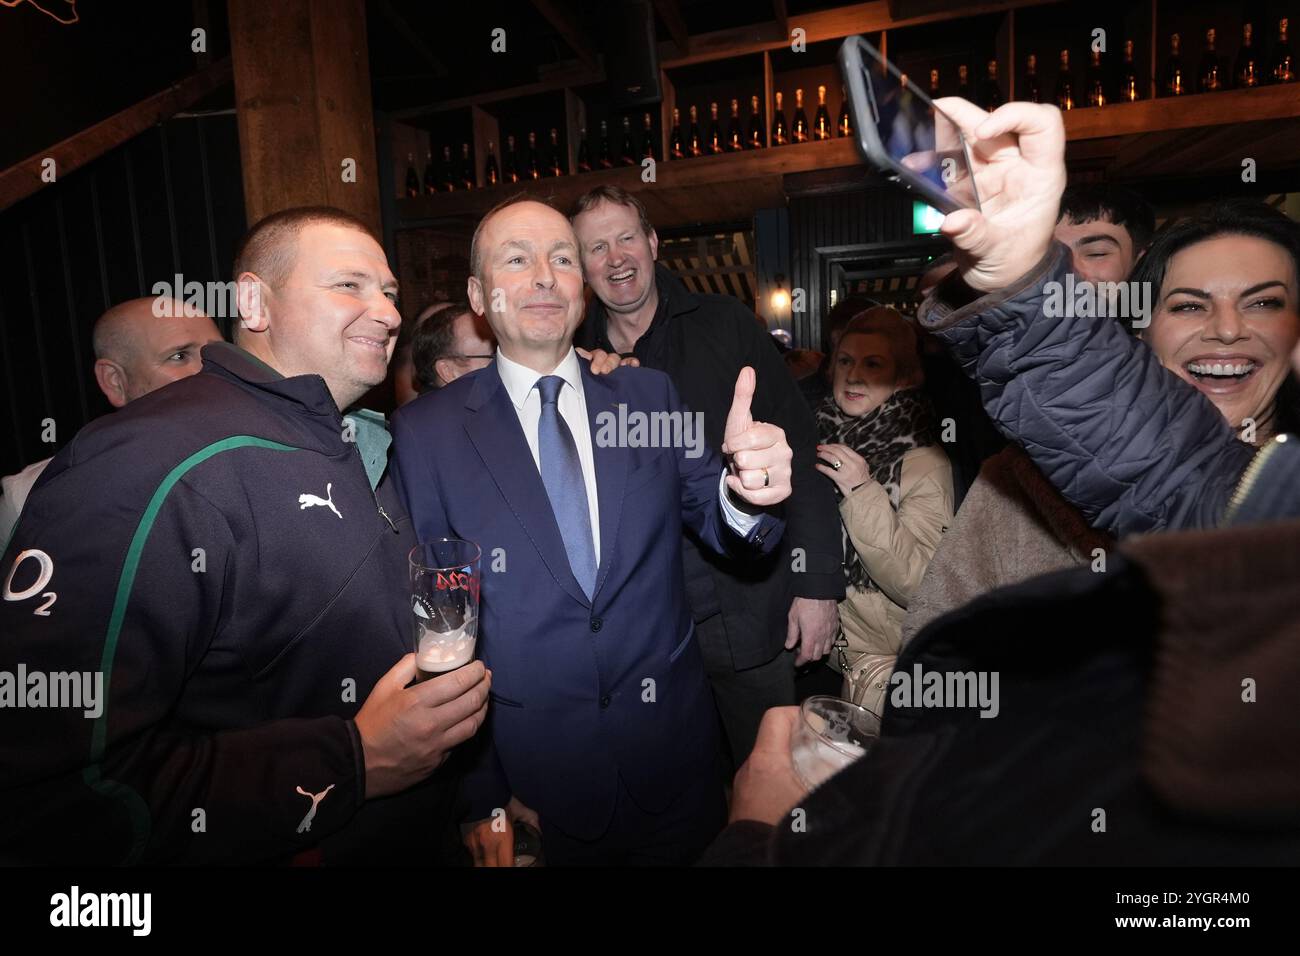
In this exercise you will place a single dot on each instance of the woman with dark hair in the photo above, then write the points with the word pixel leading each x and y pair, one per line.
pixel 1224 318
pixel 1225 315
pixel 895 489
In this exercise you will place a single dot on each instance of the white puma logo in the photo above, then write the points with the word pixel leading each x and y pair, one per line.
pixel 311 501
pixel 316 798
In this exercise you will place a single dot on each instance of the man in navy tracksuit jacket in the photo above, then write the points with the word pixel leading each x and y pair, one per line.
pixel 224 558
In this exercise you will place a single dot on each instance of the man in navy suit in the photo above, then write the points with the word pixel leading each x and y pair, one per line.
pixel 576 489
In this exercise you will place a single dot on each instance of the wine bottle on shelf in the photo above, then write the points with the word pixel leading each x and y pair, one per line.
pixel 491 174
pixel 1065 84
pixel 449 178
pixel 1032 92
pixel 1248 72
pixel 676 147
pixel 735 132
pixel 627 152
pixel 780 135
pixel 992 97
pixel 963 83
pixel 844 125
pixel 822 120
pixel 1210 78
pixel 1282 67
pixel 1175 82
pixel 556 165
pixel 412 180
pixel 715 131
pixel 755 139
pixel 694 142
pixel 1130 90
pixel 534 161
pixel 648 138
pixel 799 127
pixel 934 84
pixel 1096 80
pixel 512 161
pixel 467 179
pixel 606 158
pixel 584 152
pixel 430 181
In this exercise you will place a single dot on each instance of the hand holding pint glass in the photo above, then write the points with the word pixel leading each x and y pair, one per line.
pixel 444 604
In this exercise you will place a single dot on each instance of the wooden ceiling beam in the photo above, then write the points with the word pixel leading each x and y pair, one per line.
pixel 408 33
pixel 671 14
pixel 570 31
pixel 24 178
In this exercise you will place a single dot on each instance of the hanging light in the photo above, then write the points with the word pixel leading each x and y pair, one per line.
pixel 780 297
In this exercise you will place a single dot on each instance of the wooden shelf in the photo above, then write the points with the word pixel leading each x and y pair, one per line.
pixel 1184 112
pixel 1130 136
pixel 686 191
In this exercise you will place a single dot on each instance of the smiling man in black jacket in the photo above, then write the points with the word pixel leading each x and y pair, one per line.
pixel 746 615
pixel 220 571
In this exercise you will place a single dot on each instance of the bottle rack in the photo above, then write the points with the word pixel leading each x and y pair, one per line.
pixel 759 60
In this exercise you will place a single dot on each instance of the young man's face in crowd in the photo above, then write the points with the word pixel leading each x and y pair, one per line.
pixel 864 372
pixel 618 257
pixel 531 273
pixel 1227 320
pixel 335 315
pixel 1101 250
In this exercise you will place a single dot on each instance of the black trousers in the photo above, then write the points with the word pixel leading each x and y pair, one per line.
pixel 742 696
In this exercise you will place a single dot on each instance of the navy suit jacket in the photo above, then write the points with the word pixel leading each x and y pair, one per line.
pixel 583 691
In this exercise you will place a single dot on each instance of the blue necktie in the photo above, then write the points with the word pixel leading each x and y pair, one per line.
pixel 562 475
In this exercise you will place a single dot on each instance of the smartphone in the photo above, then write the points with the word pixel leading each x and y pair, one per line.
pixel 903 134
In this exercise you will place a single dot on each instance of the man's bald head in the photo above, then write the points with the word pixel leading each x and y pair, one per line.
pixel 137 351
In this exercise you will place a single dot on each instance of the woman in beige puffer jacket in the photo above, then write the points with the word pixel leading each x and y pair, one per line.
pixel 895 488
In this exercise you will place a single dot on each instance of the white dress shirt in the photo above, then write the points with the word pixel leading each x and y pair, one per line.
pixel 521 381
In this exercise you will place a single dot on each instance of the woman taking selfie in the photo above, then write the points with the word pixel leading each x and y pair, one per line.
pixel 895 490
pixel 1224 320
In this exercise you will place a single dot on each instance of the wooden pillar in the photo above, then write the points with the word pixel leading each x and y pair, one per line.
pixel 302 92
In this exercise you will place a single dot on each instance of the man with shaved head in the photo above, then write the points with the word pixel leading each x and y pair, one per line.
pixel 135 353
pixel 603 732
pixel 226 559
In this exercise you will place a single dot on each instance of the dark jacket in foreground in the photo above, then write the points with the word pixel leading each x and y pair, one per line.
pixel 702 342
pixel 1131 445
pixel 1123 692
pixel 217 552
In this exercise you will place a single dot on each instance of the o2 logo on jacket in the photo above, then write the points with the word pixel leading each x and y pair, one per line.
pixel 46 572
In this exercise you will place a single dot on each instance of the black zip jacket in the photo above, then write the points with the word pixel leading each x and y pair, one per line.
pixel 215 550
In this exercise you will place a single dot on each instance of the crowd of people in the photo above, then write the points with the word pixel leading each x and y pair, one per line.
pixel 1098 509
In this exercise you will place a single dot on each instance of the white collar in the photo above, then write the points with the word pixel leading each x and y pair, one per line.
pixel 520 380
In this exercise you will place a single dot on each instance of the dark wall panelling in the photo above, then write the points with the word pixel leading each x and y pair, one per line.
pixel 169 201
pixel 870 215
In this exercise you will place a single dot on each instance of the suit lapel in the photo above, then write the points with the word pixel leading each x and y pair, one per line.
pixel 497 435
pixel 611 469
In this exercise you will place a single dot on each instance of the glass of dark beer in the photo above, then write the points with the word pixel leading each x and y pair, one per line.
pixel 444 604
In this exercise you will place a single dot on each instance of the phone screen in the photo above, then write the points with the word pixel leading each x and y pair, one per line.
pixel 913 139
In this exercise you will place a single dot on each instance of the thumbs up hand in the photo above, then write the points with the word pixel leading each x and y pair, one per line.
pixel 759 454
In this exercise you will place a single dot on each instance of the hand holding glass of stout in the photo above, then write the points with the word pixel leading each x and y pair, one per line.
pixel 444 604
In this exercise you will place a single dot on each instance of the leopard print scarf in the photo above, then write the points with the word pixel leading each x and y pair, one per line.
pixel 902 422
